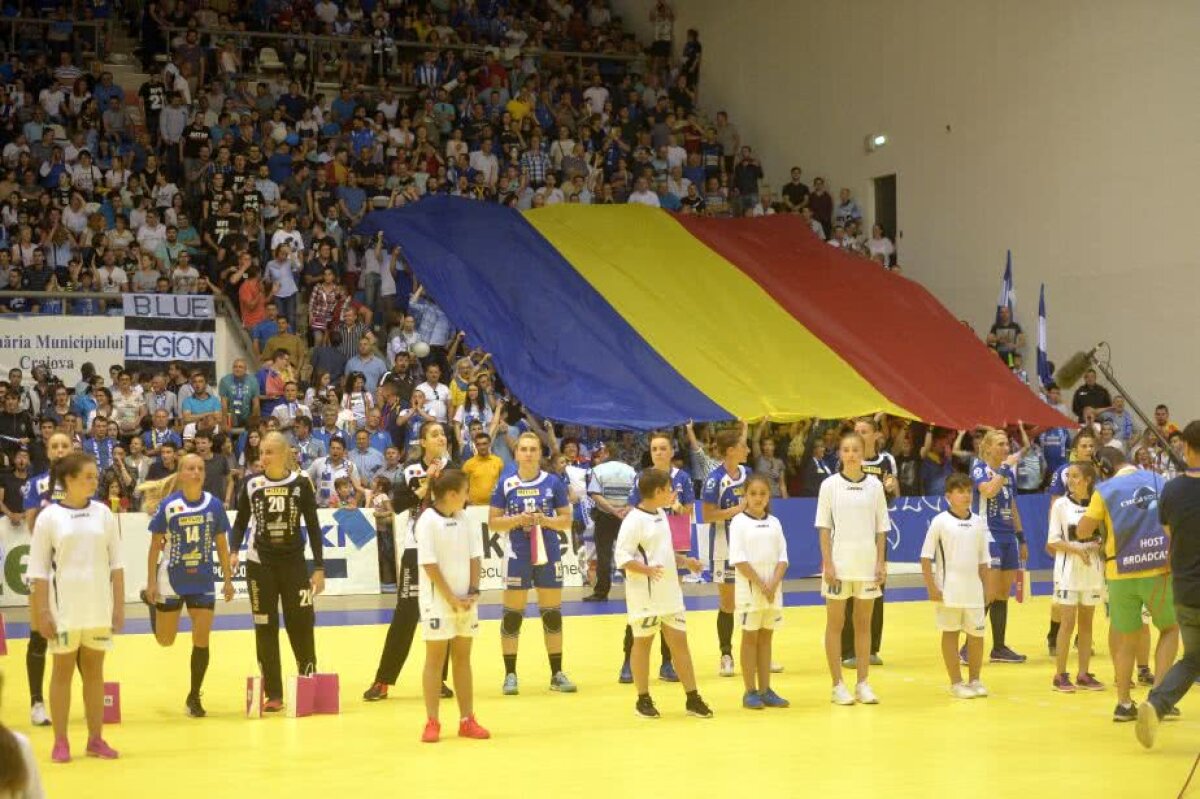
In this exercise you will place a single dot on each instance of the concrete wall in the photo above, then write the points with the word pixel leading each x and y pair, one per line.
pixel 1065 131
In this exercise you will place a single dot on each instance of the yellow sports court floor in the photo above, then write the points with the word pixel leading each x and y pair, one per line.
pixel 1024 740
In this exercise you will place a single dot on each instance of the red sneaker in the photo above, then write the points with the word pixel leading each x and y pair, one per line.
pixel 272 706
pixel 61 752
pixel 433 732
pixel 1062 683
pixel 97 747
pixel 1088 683
pixel 470 728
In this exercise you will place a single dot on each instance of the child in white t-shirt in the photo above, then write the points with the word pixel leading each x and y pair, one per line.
pixel 1078 578
pixel 450 552
pixel 954 561
pixel 758 552
pixel 644 550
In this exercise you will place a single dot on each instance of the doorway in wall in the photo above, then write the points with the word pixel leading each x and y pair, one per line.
pixel 885 206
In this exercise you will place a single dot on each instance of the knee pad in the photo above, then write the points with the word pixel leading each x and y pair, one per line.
pixel 510 623
pixel 551 620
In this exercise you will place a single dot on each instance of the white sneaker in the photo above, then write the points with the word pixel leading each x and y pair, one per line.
pixel 960 690
pixel 38 716
pixel 864 694
pixel 977 687
pixel 776 668
pixel 726 669
pixel 841 695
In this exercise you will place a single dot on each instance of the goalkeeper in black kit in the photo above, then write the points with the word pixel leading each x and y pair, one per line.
pixel 276 501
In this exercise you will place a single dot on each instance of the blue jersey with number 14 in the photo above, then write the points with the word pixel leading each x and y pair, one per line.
pixel 191 530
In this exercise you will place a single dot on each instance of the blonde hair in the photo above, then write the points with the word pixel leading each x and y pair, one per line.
pixel 289 458
pixel 990 439
pixel 155 491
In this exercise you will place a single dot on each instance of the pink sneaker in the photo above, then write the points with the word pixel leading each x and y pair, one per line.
pixel 1062 683
pixel 61 752
pixel 97 747
pixel 470 728
pixel 1088 682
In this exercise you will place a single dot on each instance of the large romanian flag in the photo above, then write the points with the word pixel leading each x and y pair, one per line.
pixel 625 316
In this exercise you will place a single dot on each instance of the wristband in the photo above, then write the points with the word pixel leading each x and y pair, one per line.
pixel 1020 536
pixel 473 591
pixel 318 568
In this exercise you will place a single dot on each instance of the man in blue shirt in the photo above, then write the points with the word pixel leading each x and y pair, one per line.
pixel 264 330
pixel 368 461
pixel 202 402
pixel 368 363
pixel 352 198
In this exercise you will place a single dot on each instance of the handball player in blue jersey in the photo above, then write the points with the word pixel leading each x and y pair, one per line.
pixel 995 483
pixel 530 507
pixel 723 498
pixel 189 525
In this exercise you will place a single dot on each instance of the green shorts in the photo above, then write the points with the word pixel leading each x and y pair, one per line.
pixel 1127 596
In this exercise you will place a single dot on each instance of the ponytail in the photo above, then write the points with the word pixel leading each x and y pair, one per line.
pixel 14 775
pixel 68 465
pixel 154 491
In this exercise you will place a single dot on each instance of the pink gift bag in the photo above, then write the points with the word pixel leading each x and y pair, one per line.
pixel 299 694
pixel 254 697
pixel 328 694
pixel 112 703
pixel 3 637
pixel 681 532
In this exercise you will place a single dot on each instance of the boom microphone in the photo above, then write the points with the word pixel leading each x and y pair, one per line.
pixel 1069 373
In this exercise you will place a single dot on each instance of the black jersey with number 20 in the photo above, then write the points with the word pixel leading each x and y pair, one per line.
pixel 276 508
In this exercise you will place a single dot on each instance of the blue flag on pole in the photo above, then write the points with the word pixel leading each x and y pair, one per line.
pixel 1008 295
pixel 1043 360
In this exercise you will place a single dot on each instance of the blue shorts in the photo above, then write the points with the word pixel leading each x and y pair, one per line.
pixel 1006 553
pixel 520 574
pixel 172 604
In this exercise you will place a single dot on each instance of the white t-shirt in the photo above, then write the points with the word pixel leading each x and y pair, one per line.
pixel 323 473
pixel 644 198
pixel 760 544
pixel 854 513
pixel 1070 572
pixel 957 547
pixel 77 549
pixel 646 537
pixel 437 400
pixel 450 543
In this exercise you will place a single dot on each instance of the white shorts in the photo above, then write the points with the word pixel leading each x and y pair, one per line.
pixel 761 619
pixel 968 620
pixel 443 628
pixel 1088 599
pixel 723 572
pixel 68 641
pixel 851 589
pixel 646 626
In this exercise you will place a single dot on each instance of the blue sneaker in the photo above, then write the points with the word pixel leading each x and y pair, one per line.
pixel 752 700
pixel 666 673
pixel 771 699
pixel 510 685
pixel 626 674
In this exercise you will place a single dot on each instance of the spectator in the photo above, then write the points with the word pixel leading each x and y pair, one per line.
pixel 367 363
pixel 821 205
pixel 847 210
pixel 1124 426
pixel 746 176
pixel 202 402
pixel 1006 335
pixel 1091 395
pixel 284 339
pixel 289 409
pixel 239 395
pixel 1162 414
pixel 483 470
pixel 367 461
pixel 880 246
